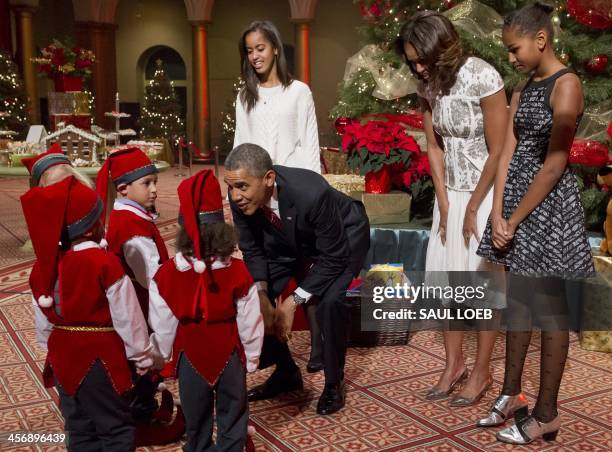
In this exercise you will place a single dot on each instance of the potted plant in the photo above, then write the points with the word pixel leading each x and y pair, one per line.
pixel 383 151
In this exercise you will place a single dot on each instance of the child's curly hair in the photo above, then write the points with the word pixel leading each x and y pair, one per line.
pixel 217 240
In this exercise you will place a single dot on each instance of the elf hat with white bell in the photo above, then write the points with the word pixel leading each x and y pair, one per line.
pixel 200 203
pixel 55 215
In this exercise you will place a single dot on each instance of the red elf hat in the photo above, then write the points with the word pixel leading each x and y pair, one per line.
pixel 123 166
pixel 67 209
pixel 200 203
pixel 36 166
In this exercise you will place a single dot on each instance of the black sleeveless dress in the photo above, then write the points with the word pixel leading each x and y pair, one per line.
pixel 551 240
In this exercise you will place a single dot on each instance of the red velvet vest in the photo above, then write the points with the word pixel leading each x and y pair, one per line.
pixel 208 343
pixel 84 277
pixel 124 225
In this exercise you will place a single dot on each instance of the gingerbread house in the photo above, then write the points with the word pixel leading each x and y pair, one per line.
pixel 77 144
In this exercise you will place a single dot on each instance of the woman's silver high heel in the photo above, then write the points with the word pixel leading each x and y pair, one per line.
pixel 504 407
pixel 440 394
pixel 529 429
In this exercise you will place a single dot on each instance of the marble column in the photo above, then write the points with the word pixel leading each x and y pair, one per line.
pixel 24 11
pixel 302 14
pixel 94 30
pixel 199 13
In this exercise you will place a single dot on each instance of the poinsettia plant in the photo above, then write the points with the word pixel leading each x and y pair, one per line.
pixel 58 58
pixel 374 144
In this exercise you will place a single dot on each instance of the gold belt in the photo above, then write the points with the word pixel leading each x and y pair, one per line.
pixel 95 329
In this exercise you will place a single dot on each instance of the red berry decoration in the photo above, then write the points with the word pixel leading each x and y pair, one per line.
pixel 597 65
pixel 592 13
pixel 588 153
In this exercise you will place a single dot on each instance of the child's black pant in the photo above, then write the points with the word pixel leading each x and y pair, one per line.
pixel 96 417
pixel 198 400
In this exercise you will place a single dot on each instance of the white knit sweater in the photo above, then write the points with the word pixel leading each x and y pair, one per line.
pixel 284 123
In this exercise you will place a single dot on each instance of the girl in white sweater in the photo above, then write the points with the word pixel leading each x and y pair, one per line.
pixel 277 113
pixel 273 110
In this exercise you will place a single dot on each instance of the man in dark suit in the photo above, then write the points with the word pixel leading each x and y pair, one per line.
pixel 292 223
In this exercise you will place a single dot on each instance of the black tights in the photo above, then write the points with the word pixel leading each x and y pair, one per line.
pixel 540 301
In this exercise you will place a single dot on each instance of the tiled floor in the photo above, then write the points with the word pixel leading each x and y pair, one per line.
pixel 385 409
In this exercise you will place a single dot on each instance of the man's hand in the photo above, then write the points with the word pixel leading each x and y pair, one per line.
pixel 284 319
pixel 267 311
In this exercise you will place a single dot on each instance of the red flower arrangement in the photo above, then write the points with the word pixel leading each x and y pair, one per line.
pixel 58 59
pixel 378 144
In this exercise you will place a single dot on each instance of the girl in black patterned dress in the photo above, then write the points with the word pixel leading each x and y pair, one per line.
pixel 537 222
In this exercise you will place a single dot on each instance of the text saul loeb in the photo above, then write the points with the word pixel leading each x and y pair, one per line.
pixel 433 314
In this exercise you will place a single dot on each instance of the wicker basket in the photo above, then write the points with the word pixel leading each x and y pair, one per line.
pixel 387 332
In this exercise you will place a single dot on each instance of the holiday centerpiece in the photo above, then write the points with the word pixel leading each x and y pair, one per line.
pixel 67 66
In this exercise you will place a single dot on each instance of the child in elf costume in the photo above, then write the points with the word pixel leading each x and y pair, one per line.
pixel 133 236
pixel 51 167
pixel 204 309
pixel 88 315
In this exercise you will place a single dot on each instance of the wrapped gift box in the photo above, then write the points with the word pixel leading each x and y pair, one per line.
pixel 387 208
pixel 80 121
pixel 346 183
pixel 70 103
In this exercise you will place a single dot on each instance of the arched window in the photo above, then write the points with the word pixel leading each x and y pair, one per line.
pixel 174 67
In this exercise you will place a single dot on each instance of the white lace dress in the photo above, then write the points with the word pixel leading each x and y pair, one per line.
pixel 458 120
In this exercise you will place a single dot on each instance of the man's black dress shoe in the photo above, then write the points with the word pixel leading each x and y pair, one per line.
pixel 332 399
pixel 314 366
pixel 278 383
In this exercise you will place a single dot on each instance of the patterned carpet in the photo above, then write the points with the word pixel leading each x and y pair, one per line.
pixel 385 409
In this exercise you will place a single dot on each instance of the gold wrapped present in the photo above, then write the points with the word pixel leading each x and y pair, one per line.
pixel 387 208
pixel 597 307
pixel 70 103
pixel 346 183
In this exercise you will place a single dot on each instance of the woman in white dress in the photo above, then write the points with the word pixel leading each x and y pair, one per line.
pixel 277 113
pixel 464 107
pixel 273 110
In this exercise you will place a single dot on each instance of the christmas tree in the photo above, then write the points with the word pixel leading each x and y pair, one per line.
pixel 378 81
pixel 228 119
pixel 160 116
pixel 13 100
pixel 373 84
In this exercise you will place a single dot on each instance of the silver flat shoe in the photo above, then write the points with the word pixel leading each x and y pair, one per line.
pixel 503 408
pixel 458 402
pixel 529 429
pixel 440 394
